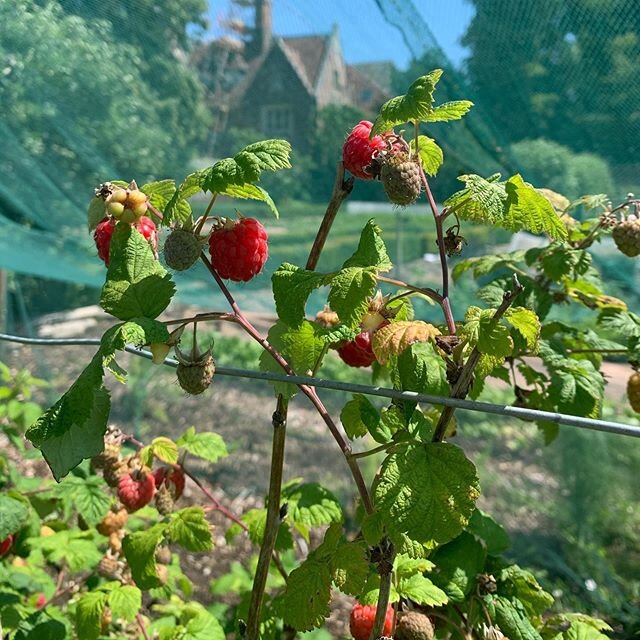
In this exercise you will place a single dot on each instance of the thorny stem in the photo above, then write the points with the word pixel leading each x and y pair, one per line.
pixel 205 215
pixel 202 317
pixel 341 190
pixel 371 452
pixel 267 547
pixel 58 589
pixel 425 291
pixel 439 219
pixel 465 378
pixel 449 621
pixel 385 569
pixel 143 629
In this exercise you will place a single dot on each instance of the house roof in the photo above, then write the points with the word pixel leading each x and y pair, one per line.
pixel 308 53
pixel 366 93
pixel 306 56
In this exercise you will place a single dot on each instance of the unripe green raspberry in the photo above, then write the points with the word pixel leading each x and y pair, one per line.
pixel 181 249
pixel 626 235
pixel 414 625
pixel 400 177
pixel 115 209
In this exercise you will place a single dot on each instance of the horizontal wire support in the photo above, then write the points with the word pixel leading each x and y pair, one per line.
pixel 521 413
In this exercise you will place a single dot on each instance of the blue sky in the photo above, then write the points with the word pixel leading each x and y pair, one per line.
pixel 366 36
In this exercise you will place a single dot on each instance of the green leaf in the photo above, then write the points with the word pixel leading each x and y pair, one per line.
pixel 305 603
pixel 247 165
pixel 430 154
pixel 140 551
pixel 42 625
pixel 458 563
pixel 251 192
pixel 205 444
pixel 350 292
pixel 359 417
pixel 406 566
pixel 350 567
pixel 268 155
pixel 89 612
pixel 292 286
pixel 511 617
pixel 73 428
pixel 482 200
pixel 576 387
pixel 415 105
pixel 190 529
pixel 526 323
pixel 494 536
pixel 301 346
pixel 137 285
pixel 371 251
pixel 198 624
pixel 526 208
pixel 159 193
pixel 311 505
pixel 421 369
pixel 96 212
pixel 428 492
pixel 177 208
pixel 165 450
pixel 89 497
pixel 125 602
pixel 76 549
pixel 493 338
pixel 422 591
pixel 483 331
pixel 515 582
pixel 449 111
pixel 513 205
pixel 13 515
pixel 483 265
pixel 256 521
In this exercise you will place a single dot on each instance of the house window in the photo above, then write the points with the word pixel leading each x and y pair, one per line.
pixel 277 120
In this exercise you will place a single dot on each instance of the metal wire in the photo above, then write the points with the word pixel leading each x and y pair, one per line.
pixel 607 426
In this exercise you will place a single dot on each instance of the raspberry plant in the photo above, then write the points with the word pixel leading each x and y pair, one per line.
pixel 423 559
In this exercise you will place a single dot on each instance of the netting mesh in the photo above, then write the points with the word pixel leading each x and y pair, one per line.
pixel 93 91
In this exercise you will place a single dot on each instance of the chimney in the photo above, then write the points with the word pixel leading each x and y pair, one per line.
pixel 261 40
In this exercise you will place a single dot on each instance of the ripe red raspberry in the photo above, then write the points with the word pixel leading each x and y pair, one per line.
pixel 357 151
pixel 104 231
pixel 135 490
pixel 359 351
pixel 239 249
pixel 41 600
pixel 173 479
pixel 5 545
pixel 362 618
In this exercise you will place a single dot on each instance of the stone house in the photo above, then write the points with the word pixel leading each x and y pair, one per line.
pixel 287 80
